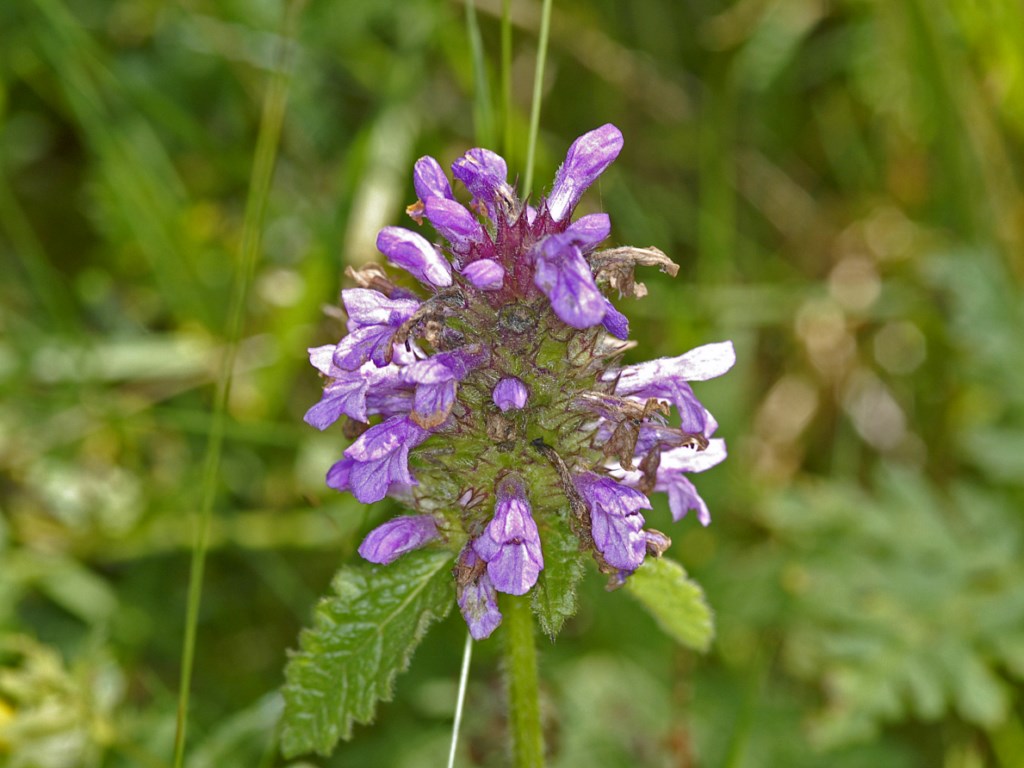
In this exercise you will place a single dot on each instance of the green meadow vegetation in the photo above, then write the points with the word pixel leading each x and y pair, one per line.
pixel 182 185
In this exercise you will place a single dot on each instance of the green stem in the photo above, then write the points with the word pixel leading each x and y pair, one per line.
pixel 538 82
pixel 521 679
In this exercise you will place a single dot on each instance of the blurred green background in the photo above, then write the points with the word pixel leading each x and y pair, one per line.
pixel 840 182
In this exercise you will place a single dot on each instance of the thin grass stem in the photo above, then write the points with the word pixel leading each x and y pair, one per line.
pixel 538 87
pixel 267 144
pixel 467 654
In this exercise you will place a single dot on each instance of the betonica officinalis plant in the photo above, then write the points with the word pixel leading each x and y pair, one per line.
pixel 492 403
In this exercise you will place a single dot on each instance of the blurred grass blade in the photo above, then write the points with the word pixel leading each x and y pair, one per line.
pixel 262 172
pixel 483 108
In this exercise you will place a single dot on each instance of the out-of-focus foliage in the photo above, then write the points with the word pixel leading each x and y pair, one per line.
pixel 841 183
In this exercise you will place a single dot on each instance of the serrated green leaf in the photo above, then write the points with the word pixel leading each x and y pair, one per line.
pixel 362 637
pixel 554 597
pixel 675 601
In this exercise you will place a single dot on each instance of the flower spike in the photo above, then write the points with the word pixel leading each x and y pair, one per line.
pixel 492 403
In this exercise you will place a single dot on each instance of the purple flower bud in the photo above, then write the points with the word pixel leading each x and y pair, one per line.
pixel 381 457
pixel 454 223
pixel 390 541
pixel 615 519
pixel 510 545
pixel 587 159
pixel 484 173
pixel 510 392
pixel 616 323
pixel 565 278
pixel 429 180
pixel 412 252
pixel 476 596
pixel 485 274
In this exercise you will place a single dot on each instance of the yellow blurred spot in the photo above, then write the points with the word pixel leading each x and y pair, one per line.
pixel 6 715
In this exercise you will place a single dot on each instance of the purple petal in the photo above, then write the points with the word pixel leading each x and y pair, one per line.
pixel 411 251
pixel 510 392
pixel 683 496
pixel 510 545
pixel 345 396
pixel 390 541
pixel 372 342
pixel 586 159
pixel 433 402
pixel 484 173
pixel 686 459
pixel 478 600
pixel 698 364
pixel 321 358
pixel 615 519
pixel 381 457
pixel 338 474
pixel 485 274
pixel 565 278
pixel 454 223
pixel 365 306
pixel 587 231
pixel 429 180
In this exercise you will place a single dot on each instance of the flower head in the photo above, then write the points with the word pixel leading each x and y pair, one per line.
pixel 493 402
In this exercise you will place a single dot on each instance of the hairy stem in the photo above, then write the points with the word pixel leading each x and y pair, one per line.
pixel 521 682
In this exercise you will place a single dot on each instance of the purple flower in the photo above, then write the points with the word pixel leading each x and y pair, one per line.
pixel 476 596
pixel 510 392
pixel 381 457
pixel 615 520
pixel 356 394
pixel 515 315
pixel 388 542
pixel 587 159
pixel 565 278
pixel 436 380
pixel 666 378
pixel 510 545
pixel 415 255
pixel 373 321
pixel 429 180
pixel 485 274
